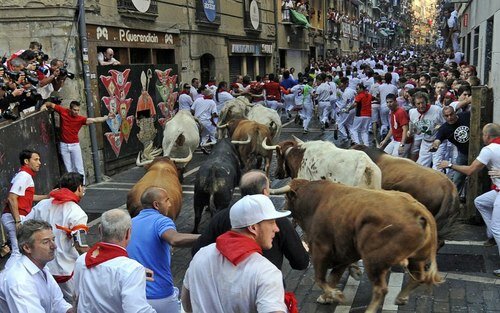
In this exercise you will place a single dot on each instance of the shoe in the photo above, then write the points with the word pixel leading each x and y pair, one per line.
pixel 496 273
pixel 204 150
pixel 305 131
pixel 336 134
pixel 327 125
pixel 490 242
pixel 322 126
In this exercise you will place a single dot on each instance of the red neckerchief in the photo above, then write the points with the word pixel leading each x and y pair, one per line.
pixel 102 252
pixel 496 140
pixel 27 169
pixel 63 195
pixel 423 113
pixel 208 97
pixel 236 247
pixel 184 92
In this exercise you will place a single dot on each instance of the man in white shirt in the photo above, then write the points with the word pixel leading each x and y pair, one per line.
pixel 323 97
pixel 205 110
pixel 107 58
pixel 27 285
pixel 193 91
pixel 345 118
pixel 62 211
pixel 106 280
pixel 488 204
pixel 425 120
pixel 185 100
pixel 243 280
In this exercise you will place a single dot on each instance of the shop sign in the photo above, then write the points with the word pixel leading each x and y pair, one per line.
pixel 256 49
pixel 254 14
pixel 242 48
pixel 210 9
pixel 128 35
pixel 267 49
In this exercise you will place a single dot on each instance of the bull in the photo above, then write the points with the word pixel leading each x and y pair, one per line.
pixel 180 137
pixel 268 117
pixel 233 109
pixel 384 228
pixel 216 180
pixel 252 139
pixel 431 188
pixel 315 160
pixel 161 172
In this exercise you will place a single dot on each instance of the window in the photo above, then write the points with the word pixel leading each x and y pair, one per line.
pixel 475 47
pixel 164 56
pixel 140 56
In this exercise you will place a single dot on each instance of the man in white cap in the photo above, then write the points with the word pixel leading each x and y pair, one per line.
pixel 231 275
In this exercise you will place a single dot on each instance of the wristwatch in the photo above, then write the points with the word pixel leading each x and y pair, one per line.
pixel 449 165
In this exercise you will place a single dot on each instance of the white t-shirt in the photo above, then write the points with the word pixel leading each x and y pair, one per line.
pixel 490 156
pixel 427 124
pixel 386 89
pixel 21 181
pixel 216 285
pixel 223 97
pixel 323 93
pixel 346 98
pixel 333 91
pixel 68 215
pixel 203 109
pixel 115 286
pixel 193 92
pixel 185 102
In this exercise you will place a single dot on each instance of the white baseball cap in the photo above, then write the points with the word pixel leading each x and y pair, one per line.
pixel 253 209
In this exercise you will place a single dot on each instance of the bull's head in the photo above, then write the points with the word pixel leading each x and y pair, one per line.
pixel 282 150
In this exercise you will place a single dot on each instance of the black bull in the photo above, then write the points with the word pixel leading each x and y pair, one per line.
pixel 216 180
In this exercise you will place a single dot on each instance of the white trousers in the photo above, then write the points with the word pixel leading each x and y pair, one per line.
pixel 289 101
pixel 208 132
pixel 72 157
pixel 384 119
pixel 325 108
pixel 488 204
pixel 344 121
pixel 10 226
pixel 393 149
pixel 425 157
pixel 360 127
pixel 306 115
pixel 167 305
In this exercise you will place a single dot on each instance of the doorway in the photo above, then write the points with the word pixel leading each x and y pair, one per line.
pixel 207 68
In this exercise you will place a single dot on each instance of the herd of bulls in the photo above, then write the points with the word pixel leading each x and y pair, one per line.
pixel 351 204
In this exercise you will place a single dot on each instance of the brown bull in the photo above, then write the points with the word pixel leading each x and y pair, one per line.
pixel 163 173
pixel 251 138
pixel 384 228
pixel 428 186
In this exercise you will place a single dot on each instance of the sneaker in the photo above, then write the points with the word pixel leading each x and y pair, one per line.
pixel 496 273
pixel 490 242
pixel 204 150
pixel 305 131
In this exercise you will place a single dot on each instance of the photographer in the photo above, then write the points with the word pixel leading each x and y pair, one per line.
pixel 51 78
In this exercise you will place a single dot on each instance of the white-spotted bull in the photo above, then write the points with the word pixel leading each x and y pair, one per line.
pixel 384 228
pixel 161 172
pixel 216 179
pixel 251 138
pixel 315 160
pixel 180 137
pixel 430 187
pixel 233 109
pixel 268 117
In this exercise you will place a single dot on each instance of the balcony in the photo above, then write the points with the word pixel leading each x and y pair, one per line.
pixel 127 8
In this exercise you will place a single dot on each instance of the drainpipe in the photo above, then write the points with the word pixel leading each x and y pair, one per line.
pixel 86 81
pixel 276 49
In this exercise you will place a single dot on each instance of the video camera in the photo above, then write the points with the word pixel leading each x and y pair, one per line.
pixel 65 73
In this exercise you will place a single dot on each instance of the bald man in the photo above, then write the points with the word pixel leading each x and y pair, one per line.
pixel 107 58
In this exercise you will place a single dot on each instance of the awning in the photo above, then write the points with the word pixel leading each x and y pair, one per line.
pixel 383 33
pixel 299 19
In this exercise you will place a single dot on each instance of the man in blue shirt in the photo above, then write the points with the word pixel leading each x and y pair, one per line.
pixel 152 235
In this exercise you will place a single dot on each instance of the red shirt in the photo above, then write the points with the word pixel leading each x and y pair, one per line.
pixel 70 125
pixel 398 119
pixel 273 91
pixel 364 104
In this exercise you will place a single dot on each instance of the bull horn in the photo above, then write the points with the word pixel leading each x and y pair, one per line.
pixel 281 190
pixel 266 147
pixel 222 126
pixel 297 140
pixel 238 142
pixel 183 160
pixel 156 152
pixel 138 162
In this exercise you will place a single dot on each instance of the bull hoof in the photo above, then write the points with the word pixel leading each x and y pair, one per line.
pixel 355 272
pixel 331 297
pixel 401 301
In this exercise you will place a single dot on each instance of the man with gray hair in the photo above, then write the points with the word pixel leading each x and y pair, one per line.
pixel 106 279
pixel 28 286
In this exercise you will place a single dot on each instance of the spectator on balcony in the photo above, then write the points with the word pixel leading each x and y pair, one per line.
pixel 286 6
pixel 107 58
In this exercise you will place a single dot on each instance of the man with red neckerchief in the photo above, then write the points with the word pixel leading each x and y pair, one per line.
pixel 20 199
pixel 231 275
pixel 69 223
pixel 106 279
pixel 488 204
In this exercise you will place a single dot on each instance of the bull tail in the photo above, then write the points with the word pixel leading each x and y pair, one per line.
pixel 447 217
pixel 431 276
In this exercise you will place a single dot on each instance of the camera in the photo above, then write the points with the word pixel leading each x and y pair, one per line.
pixel 64 73
pixel 9 115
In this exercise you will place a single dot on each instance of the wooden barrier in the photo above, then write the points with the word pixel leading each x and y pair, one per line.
pixel 481 114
